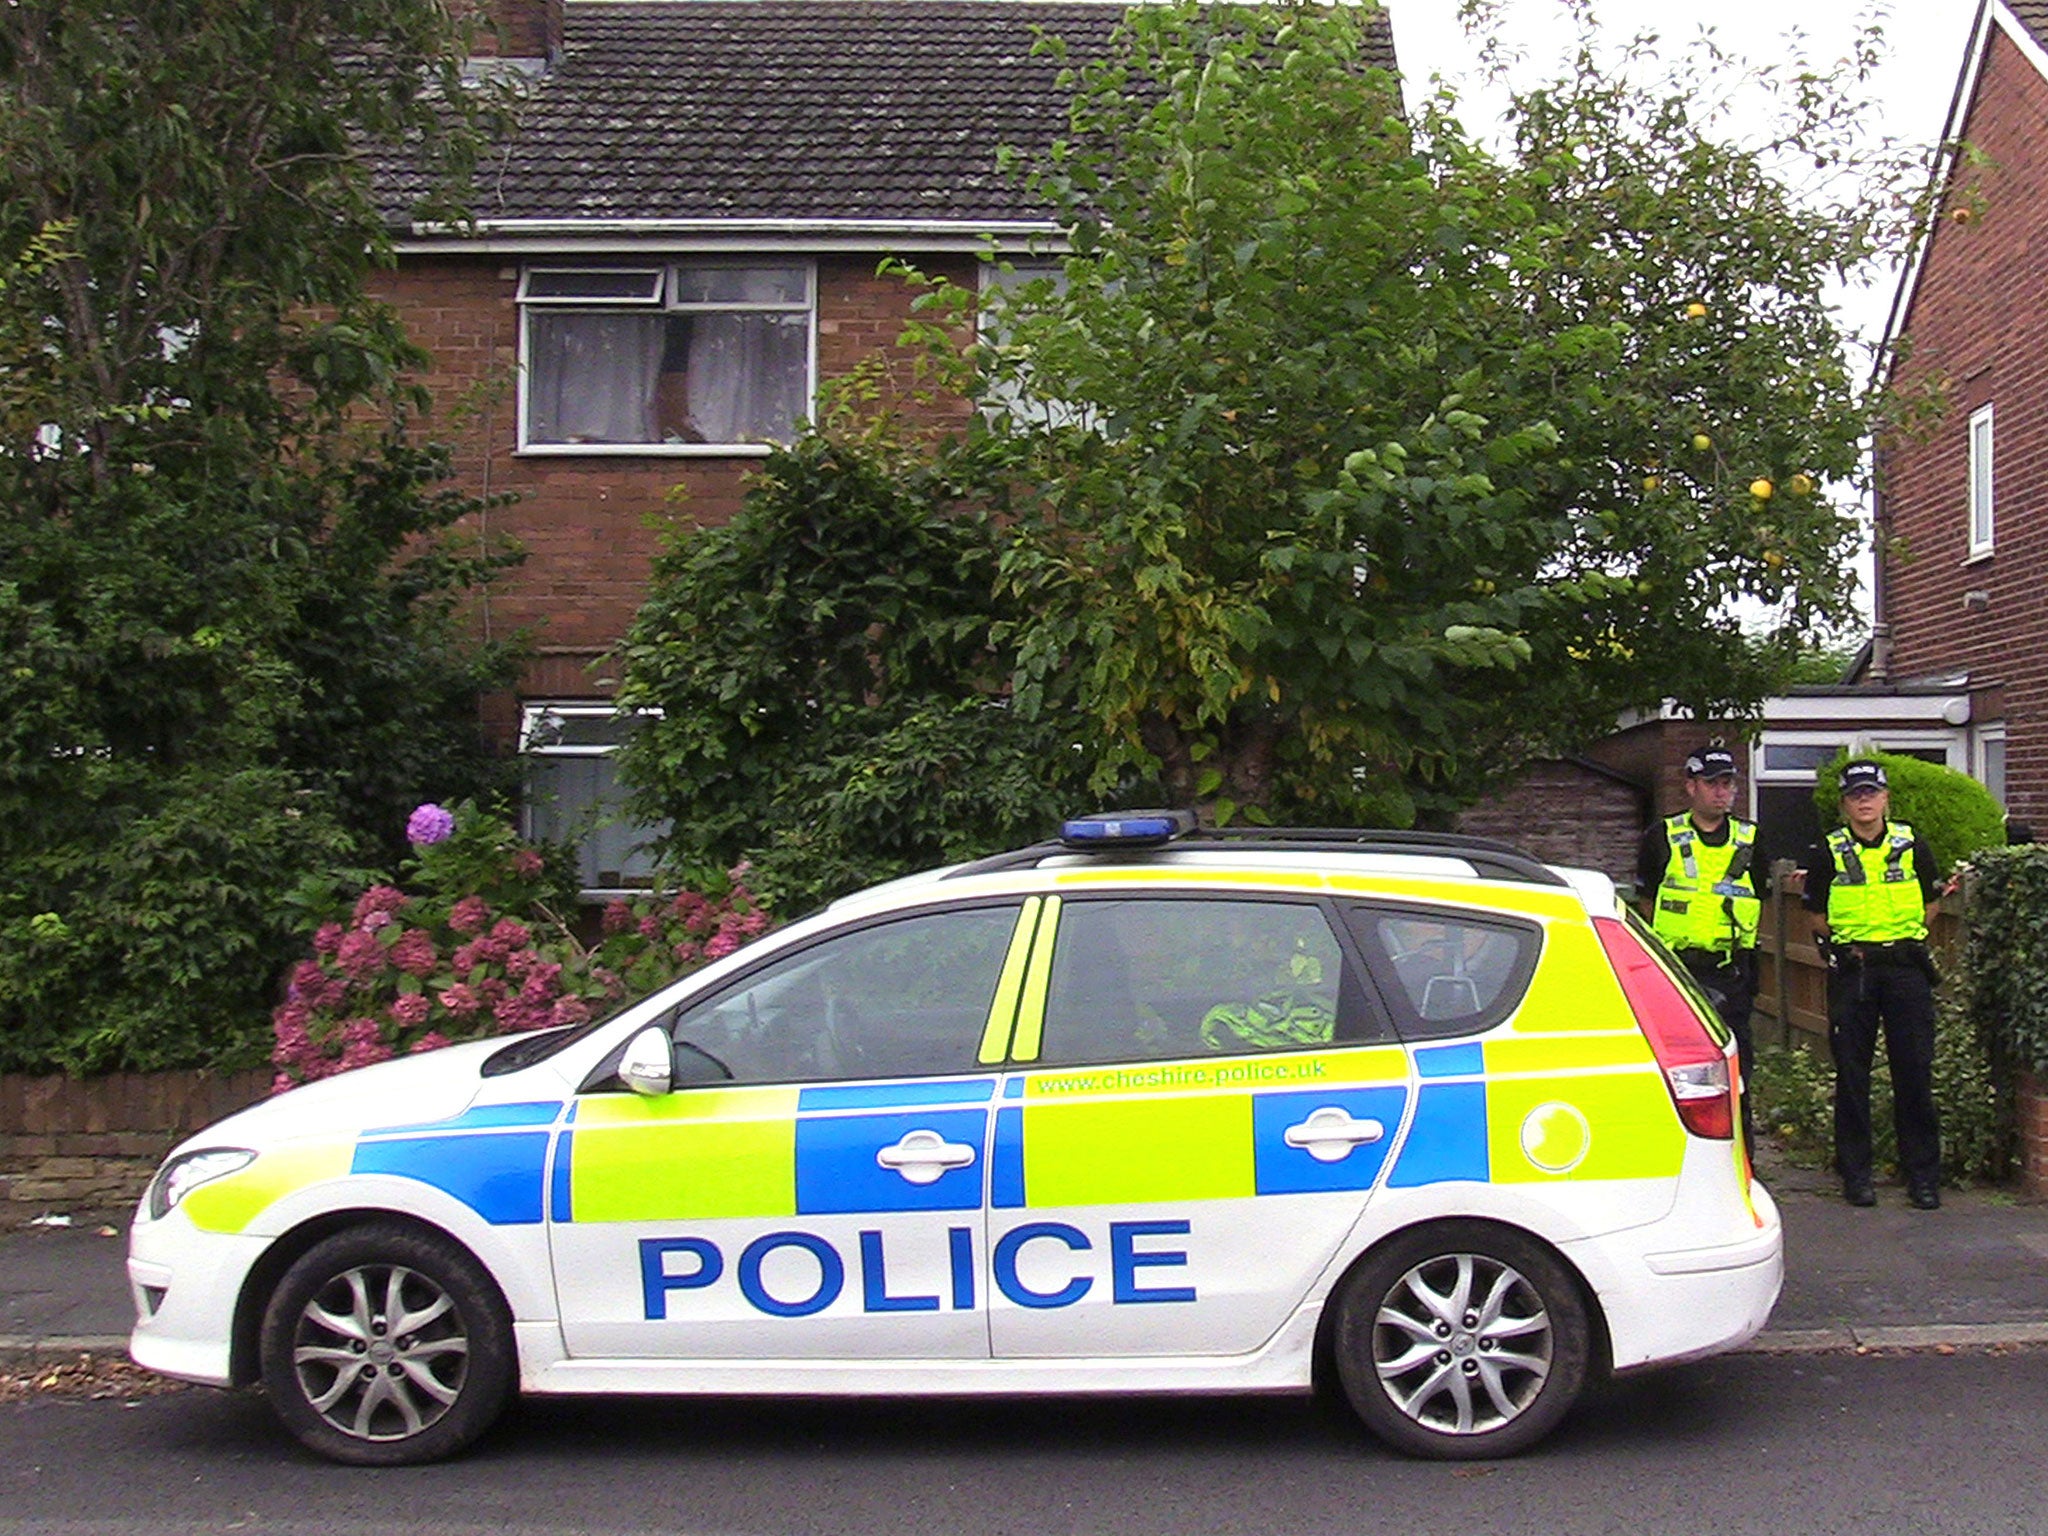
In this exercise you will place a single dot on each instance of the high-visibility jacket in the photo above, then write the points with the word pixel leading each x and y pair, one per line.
pixel 1708 896
pixel 1874 894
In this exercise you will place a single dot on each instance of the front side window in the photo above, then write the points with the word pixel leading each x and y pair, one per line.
pixel 675 358
pixel 1447 973
pixel 908 998
pixel 1981 525
pixel 1157 978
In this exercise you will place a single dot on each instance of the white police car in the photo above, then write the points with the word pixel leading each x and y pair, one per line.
pixel 1145 1109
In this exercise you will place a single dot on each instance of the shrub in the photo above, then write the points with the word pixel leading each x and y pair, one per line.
pixel 2005 948
pixel 1952 811
pixel 1795 1098
pixel 480 940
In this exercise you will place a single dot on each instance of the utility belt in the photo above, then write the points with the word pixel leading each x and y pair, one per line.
pixel 1885 952
pixel 1862 955
pixel 1713 959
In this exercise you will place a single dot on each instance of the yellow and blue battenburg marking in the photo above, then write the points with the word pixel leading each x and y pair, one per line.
pixel 492 1158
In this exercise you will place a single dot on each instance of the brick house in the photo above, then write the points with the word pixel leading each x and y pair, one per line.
pixel 676 248
pixel 1962 514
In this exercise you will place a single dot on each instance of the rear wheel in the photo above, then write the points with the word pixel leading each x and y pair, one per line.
pixel 1461 1341
pixel 384 1345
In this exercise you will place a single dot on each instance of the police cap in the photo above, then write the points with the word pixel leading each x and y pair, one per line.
pixel 1712 763
pixel 1862 774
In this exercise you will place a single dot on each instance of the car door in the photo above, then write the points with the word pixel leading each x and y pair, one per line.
pixel 814 1185
pixel 1202 1095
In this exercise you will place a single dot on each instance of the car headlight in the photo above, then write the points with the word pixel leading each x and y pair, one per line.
pixel 181 1175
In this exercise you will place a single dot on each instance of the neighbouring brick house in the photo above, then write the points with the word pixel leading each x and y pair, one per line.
pixel 1962 513
pixel 674 252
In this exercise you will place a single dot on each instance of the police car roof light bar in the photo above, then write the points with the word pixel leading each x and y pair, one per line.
pixel 1126 829
pixel 1490 858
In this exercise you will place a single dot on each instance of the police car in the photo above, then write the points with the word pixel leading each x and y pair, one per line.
pixel 1144 1109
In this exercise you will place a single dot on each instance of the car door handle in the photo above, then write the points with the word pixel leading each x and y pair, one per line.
pixel 923 1157
pixel 1329 1134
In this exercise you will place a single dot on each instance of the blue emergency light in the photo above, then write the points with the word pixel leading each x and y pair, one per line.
pixel 1126 829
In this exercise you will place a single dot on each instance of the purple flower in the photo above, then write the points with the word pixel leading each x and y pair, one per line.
pixel 429 824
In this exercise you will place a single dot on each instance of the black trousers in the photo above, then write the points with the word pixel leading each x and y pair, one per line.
pixel 1861 997
pixel 1730 986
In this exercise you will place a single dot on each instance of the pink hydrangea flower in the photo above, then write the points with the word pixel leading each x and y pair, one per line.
pixel 569 1010
pixel 469 915
pixel 527 864
pixel 414 953
pixel 618 917
pixel 284 1082
pixel 378 899
pixel 410 1009
pixel 512 934
pixel 432 1040
pixel 363 1053
pixel 327 938
pixel 461 1000
pixel 719 945
pixel 688 952
pixel 361 955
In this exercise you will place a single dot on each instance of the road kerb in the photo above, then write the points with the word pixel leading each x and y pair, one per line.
pixel 21 1349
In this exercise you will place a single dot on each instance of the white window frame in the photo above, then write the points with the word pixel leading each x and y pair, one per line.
pixel 1982 484
pixel 1985 737
pixel 664 281
pixel 1953 744
pixel 537 723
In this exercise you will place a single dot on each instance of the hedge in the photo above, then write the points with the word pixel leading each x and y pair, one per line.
pixel 2006 952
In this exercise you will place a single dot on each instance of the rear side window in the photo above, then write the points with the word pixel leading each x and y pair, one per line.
pixel 1156 978
pixel 1446 973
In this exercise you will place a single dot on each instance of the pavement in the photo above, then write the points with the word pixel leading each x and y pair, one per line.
pixel 1972 1274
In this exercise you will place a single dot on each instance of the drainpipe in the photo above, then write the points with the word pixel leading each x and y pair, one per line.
pixel 1880 629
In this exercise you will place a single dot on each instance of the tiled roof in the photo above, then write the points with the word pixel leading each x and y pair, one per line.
pixel 2033 15
pixel 881 110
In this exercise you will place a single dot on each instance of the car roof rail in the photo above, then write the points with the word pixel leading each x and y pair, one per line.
pixel 1490 857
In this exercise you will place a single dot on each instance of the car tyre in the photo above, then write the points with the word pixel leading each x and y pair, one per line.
pixel 1461 1341
pixel 385 1345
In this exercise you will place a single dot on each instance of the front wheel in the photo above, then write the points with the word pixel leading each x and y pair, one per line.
pixel 385 1345
pixel 1461 1341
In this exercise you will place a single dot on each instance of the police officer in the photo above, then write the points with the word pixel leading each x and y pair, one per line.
pixel 1870 893
pixel 1700 865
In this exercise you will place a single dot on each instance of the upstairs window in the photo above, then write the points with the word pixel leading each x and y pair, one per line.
pixel 675 358
pixel 1980 482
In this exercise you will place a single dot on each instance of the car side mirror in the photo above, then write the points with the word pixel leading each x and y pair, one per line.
pixel 649 1063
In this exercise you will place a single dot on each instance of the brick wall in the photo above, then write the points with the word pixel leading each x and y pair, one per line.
pixel 1565 813
pixel 591 526
pixel 1978 328
pixel 92 1143
pixel 2031 1113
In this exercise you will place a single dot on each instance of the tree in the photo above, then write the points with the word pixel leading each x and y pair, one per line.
pixel 823 696
pixel 1382 462
pixel 227 652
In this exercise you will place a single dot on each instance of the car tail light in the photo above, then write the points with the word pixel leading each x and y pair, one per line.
pixel 1695 1065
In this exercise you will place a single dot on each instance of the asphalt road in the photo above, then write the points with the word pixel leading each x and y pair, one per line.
pixel 1887 1444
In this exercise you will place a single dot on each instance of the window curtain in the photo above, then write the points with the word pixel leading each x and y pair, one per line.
pixel 593 377
pixel 747 375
